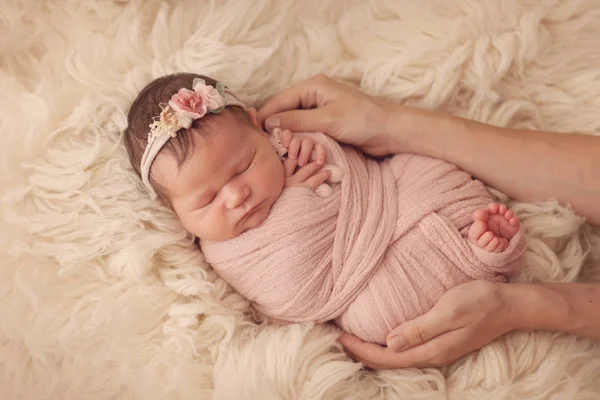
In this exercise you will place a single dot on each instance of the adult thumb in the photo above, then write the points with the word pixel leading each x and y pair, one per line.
pixel 315 120
pixel 417 331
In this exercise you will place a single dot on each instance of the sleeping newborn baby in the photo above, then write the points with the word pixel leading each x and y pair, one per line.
pixel 336 236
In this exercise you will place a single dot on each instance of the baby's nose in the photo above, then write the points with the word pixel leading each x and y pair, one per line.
pixel 236 196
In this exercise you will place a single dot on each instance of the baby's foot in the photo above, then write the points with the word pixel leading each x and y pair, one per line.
pixel 493 227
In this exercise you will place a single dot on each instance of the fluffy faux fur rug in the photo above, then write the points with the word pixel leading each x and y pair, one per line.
pixel 101 294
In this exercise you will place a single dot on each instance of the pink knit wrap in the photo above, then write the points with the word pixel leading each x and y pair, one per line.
pixel 380 249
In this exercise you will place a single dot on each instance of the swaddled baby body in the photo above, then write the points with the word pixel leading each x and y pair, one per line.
pixel 368 244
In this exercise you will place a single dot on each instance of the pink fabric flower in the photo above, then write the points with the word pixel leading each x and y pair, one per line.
pixel 189 102
pixel 213 98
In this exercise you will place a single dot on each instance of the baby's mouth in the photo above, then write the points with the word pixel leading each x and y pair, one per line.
pixel 252 210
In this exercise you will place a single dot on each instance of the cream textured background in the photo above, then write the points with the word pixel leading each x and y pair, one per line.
pixel 101 295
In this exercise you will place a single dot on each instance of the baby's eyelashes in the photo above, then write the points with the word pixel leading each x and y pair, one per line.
pixel 245 169
pixel 205 202
pixel 248 165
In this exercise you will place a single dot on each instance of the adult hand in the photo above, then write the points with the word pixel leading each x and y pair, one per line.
pixel 465 318
pixel 321 104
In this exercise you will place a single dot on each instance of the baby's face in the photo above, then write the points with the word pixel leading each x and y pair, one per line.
pixel 227 185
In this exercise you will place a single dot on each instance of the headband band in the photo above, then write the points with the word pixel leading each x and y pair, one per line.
pixel 183 109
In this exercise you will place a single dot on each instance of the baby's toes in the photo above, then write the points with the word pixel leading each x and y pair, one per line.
pixel 493 244
pixel 481 215
pixel 514 222
pixel 485 239
pixel 502 244
pixel 493 208
pixel 508 215
pixel 502 209
pixel 477 229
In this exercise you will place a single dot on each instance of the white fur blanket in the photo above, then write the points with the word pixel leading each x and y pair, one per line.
pixel 103 297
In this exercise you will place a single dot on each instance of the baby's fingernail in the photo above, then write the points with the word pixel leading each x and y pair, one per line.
pixel 272 123
pixel 396 343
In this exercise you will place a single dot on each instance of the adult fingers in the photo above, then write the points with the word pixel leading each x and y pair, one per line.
pixel 437 352
pixel 315 120
pixel 300 95
pixel 441 350
pixel 370 354
pixel 419 330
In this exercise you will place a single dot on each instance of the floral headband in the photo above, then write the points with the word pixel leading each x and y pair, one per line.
pixel 183 109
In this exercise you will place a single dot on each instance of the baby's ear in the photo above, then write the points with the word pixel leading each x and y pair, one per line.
pixel 254 117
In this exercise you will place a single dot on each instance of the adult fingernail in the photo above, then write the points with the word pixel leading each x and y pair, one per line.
pixel 396 343
pixel 272 123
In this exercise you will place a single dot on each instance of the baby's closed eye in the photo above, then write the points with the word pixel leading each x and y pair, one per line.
pixel 246 166
pixel 205 201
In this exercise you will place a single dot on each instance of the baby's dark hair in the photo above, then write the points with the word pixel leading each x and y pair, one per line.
pixel 146 106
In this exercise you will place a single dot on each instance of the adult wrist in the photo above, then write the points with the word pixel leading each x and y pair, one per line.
pixel 398 127
pixel 539 307
pixel 414 130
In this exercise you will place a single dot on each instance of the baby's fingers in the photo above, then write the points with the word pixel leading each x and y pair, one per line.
pixel 306 149
pixel 306 172
pixel 289 166
pixel 286 137
pixel 294 147
pixel 319 155
pixel 317 179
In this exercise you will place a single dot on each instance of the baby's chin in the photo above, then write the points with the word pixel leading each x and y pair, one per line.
pixel 253 221
pixel 256 219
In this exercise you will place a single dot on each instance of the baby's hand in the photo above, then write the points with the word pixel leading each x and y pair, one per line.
pixel 303 149
pixel 309 176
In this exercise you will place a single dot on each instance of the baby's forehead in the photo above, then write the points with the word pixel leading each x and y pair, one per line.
pixel 222 148
pixel 229 137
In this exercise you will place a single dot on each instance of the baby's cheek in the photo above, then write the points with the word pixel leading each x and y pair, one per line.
pixel 278 177
pixel 191 226
pixel 270 175
pixel 202 224
pixel 216 225
pixel 278 165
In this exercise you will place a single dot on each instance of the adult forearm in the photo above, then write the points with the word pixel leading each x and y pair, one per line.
pixel 563 307
pixel 526 165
